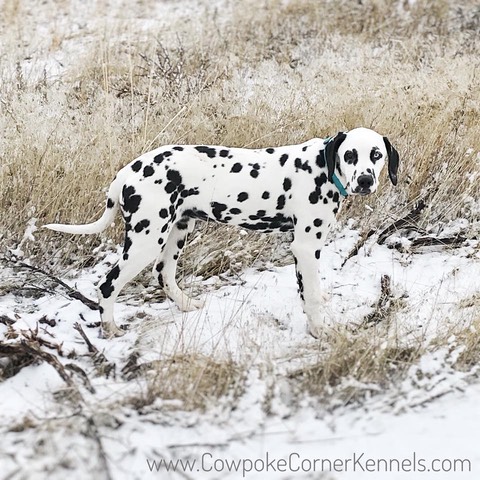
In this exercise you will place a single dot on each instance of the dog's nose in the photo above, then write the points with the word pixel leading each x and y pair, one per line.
pixel 365 182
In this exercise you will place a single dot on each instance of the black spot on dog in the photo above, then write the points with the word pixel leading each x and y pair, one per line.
pixel 336 197
pixel 307 229
pixel 148 171
pixel 159 158
pixel 313 197
pixel 217 209
pixel 325 201
pixel 160 241
pixel 178 149
pixel 189 192
pixel 335 210
pixel 300 283
pixel 110 203
pixel 131 201
pixel 235 211
pixel 242 196
pixel 175 177
pixel 107 288
pixel 211 152
pixel 375 155
pixel 287 184
pixel 175 181
pixel 319 235
pixel 317 254
pixel 159 269
pixel 180 244
pixel 280 202
pixel 318 222
pixel 158 181
pixel 195 213
pixel 224 153
pixel 164 228
pixel 330 194
pixel 270 150
pixel 254 173
pixel 302 166
pixel 283 159
pixel 127 244
pixel 304 149
pixel 321 159
pixel 137 166
pixel 173 197
pixel 321 180
pixel 261 213
pixel 266 195
pixel 236 167
pixel 255 226
pixel 163 213
pixel 141 225
pixel 351 157
pixel 182 224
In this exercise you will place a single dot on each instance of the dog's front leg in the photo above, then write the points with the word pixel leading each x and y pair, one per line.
pixel 306 248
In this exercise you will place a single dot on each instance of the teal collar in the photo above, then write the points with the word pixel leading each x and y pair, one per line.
pixel 339 185
pixel 335 179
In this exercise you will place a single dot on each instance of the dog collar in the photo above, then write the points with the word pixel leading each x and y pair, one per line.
pixel 339 185
pixel 335 179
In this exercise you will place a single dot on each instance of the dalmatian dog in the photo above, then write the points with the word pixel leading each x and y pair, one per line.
pixel 296 188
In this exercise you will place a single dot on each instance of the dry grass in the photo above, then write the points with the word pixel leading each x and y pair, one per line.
pixel 86 97
pixel 356 367
pixel 194 380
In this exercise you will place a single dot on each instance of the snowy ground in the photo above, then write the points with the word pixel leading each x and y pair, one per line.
pixel 257 322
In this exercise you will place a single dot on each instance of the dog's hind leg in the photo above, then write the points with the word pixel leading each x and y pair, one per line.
pixel 138 253
pixel 166 266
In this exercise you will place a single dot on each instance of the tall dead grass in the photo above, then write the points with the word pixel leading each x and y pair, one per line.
pixel 247 74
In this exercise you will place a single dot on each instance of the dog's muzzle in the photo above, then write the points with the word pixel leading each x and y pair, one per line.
pixel 365 183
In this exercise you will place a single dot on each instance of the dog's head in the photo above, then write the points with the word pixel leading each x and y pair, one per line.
pixel 357 157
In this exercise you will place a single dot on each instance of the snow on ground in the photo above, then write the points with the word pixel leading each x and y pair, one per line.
pixel 256 321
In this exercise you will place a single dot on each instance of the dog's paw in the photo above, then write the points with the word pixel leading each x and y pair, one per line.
pixel 320 333
pixel 191 304
pixel 111 331
pixel 320 329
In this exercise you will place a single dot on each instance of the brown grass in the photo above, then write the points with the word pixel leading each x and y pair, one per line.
pixel 194 380
pixel 266 74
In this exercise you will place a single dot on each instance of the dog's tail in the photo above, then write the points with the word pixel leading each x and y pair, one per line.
pixel 113 203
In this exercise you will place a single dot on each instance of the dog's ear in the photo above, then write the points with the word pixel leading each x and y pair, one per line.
pixel 393 160
pixel 330 152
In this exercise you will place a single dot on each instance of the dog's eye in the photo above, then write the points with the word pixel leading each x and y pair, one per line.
pixel 376 155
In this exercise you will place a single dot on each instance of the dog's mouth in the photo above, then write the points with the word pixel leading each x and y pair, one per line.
pixel 362 191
